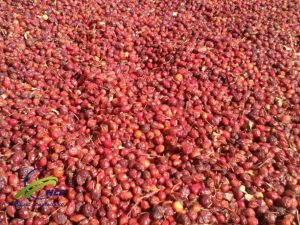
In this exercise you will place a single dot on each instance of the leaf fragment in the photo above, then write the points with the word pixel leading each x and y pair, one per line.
pixel 26 35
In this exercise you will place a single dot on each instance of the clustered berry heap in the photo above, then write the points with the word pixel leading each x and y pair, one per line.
pixel 151 112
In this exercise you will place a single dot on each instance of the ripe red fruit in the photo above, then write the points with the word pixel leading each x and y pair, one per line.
pixel 151 112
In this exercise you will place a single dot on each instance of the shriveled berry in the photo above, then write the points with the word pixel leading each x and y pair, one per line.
pixel 88 210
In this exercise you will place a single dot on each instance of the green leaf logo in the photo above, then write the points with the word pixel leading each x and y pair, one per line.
pixel 36 185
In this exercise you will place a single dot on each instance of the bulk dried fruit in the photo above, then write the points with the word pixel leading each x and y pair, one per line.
pixel 151 112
